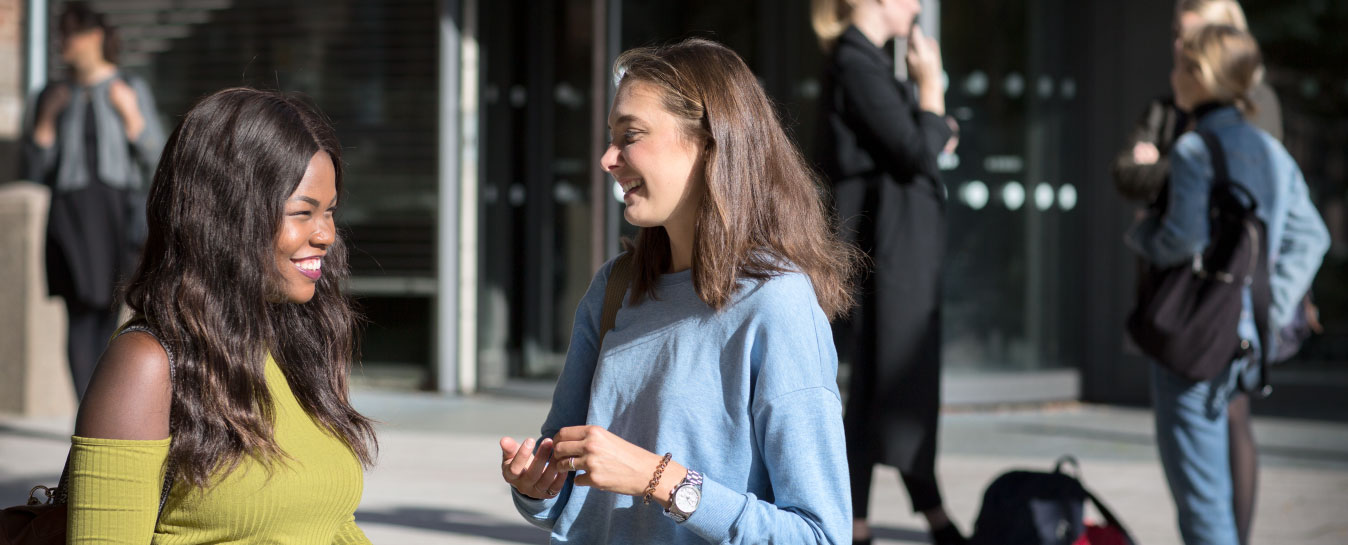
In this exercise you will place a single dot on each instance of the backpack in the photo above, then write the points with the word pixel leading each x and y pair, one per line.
pixel 1187 315
pixel 1024 507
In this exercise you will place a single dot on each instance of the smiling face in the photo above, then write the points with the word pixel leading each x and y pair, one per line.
pixel 307 230
pixel 659 167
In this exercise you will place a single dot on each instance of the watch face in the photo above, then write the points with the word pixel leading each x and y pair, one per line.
pixel 686 498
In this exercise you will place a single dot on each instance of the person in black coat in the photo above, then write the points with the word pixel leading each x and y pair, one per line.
pixel 94 139
pixel 878 148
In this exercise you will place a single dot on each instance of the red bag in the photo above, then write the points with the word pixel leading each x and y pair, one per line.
pixel 1109 534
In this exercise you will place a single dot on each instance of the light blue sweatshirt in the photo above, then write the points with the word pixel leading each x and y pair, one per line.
pixel 747 396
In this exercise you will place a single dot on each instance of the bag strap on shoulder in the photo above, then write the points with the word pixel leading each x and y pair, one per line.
pixel 62 494
pixel 1260 288
pixel 619 278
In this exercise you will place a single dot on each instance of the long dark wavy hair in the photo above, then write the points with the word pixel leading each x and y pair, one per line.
pixel 763 209
pixel 209 287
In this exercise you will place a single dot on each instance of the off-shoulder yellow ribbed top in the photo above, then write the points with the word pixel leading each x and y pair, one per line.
pixel 308 497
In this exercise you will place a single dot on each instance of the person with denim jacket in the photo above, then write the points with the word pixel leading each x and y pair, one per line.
pixel 1202 428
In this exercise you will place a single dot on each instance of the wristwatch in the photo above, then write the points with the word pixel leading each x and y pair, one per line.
pixel 685 497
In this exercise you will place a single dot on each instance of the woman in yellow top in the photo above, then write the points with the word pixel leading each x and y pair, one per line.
pixel 232 377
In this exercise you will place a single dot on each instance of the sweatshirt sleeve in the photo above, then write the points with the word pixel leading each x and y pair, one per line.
pixel 571 397
pixel 798 434
pixel 1169 238
pixel 114 489
pixel 803 448
pixel 1303 244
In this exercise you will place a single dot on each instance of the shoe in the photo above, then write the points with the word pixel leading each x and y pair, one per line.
pixel 948 535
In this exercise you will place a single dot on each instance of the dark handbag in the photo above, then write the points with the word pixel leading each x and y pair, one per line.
pixel 43 521
pixel 1186 316
pixel 1025 507
pixel 38 522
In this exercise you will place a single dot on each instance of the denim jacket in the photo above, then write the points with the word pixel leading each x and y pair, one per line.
pixel 1298 237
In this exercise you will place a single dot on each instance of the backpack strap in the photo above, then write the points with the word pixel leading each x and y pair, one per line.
pixel 1110 519
pixel 619 278
pixel 1260 288
pixel 1069 460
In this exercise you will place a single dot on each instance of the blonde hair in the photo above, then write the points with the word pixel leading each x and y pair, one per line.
pixel 829 19
pixel 1214 12
pixel 1226 62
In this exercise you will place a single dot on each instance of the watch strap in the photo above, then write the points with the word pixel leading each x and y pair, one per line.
pixel 693 479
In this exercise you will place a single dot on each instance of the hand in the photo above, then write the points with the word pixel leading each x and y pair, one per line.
pixel 53 103
pixel 954 140
pixel 1145 153
pixel 530 472
pixel 1312 316
pixel 924 67
pixel 614 465
pixel 123 99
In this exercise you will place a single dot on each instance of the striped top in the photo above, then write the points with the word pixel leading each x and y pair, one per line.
pixel 308 497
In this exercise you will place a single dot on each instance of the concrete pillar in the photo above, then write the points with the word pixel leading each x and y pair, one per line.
pixel 34 375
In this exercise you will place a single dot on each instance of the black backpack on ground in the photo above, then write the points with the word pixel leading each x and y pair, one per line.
pixel 1025 507
pixel 1186 315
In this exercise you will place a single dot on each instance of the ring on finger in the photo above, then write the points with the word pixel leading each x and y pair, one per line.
pixel 572 462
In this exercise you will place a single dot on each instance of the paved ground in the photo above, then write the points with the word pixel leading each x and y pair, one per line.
pixel 437 480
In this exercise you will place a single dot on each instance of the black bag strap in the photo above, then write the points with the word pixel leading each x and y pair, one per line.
pixel 62 493
pixel 619 278
pixel 1110 519
pixel 1260 288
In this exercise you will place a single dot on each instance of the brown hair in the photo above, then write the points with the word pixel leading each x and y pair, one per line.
pixel 207 282
pixel 1226 61
pixel 762 211
pixel 78 17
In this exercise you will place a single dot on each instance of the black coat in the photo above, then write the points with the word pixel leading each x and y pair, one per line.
pixel 878 149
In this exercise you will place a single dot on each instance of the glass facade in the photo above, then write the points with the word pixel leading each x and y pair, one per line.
pixel 371 66
pixel 1043 91
pixel 1007 279
pixel 1012 216
pixel 535 213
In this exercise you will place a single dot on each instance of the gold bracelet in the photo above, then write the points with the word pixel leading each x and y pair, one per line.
pixel 655 479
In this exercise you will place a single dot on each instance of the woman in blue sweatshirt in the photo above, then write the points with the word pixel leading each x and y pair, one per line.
pixel 1203 428
pixel 710 412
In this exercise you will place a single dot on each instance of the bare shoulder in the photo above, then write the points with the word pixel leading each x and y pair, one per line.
pixel 131 391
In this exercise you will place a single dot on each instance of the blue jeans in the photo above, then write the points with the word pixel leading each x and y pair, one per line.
pixel 1191 435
